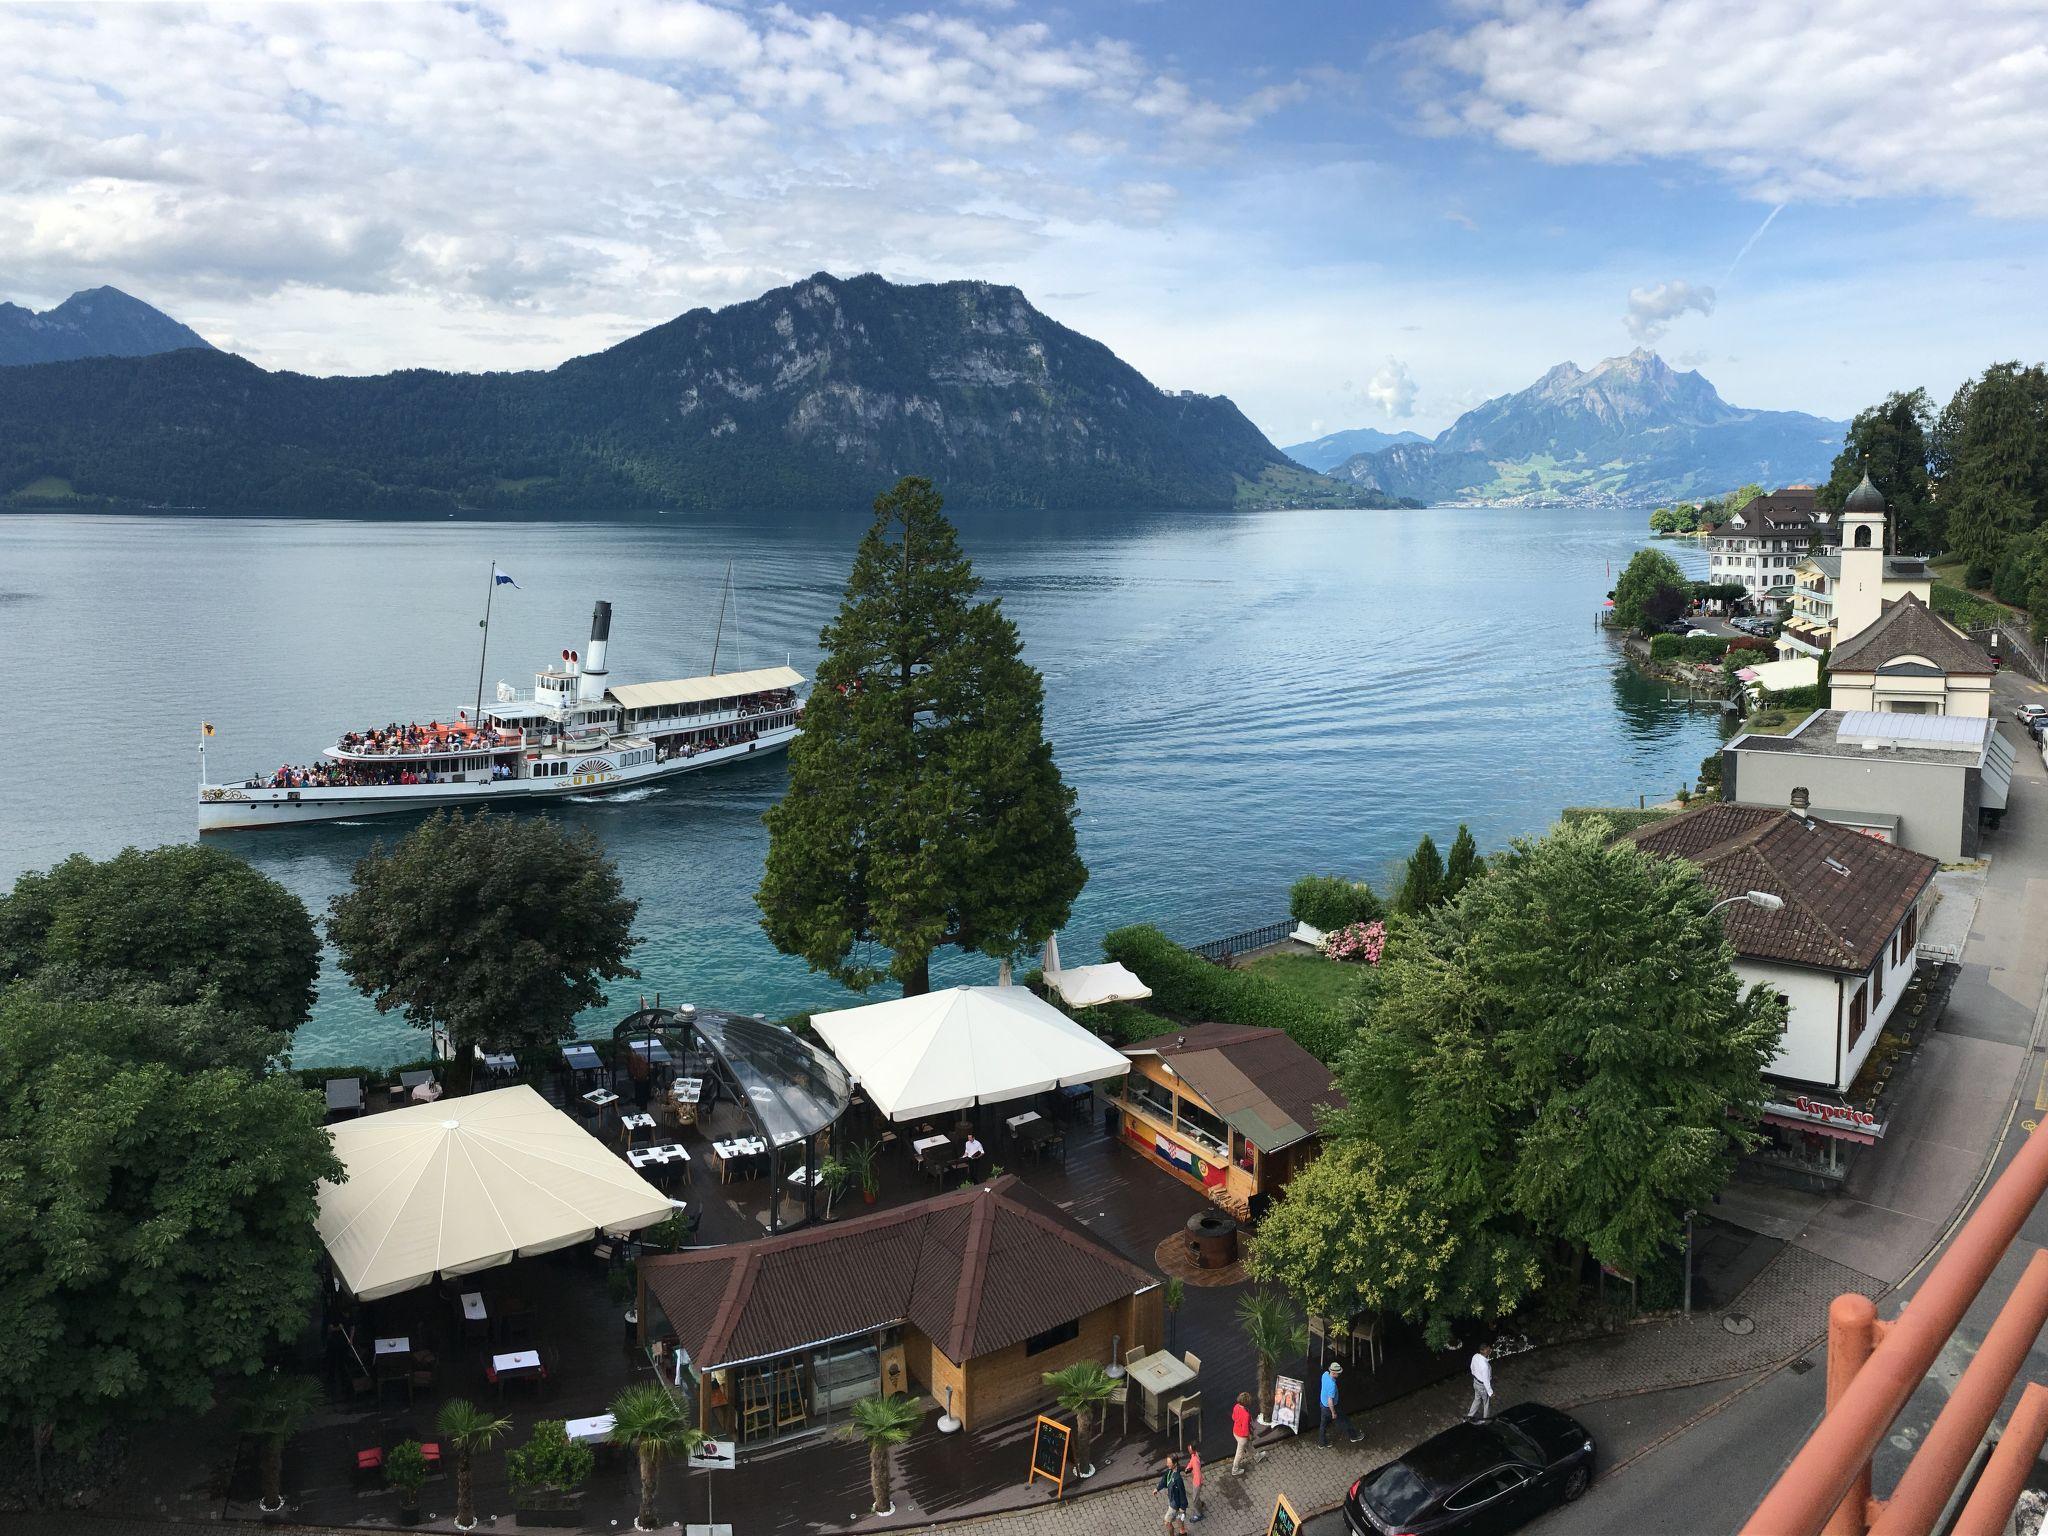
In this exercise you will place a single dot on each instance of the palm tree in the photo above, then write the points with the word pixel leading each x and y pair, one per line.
pixel 1269 1324
pixel 1081 1389
pixel 648 1418
pixel 883 1422
pixel 271 1411
pixel 468 1429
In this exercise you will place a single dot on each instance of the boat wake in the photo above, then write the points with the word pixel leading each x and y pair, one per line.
pixel 620 797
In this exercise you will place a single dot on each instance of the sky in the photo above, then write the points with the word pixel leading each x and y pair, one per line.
pixel 1338 215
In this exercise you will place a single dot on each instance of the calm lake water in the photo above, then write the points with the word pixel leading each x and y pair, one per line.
pixel 1238 698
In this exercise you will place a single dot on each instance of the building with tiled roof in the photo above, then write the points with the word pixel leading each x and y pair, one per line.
pixel 1759 547
pixel 1810 626
pixel 1911 661
pixel 980 1291
pixel 1840 945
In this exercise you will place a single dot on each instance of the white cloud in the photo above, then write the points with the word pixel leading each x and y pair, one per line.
pixel 1794 101
pixel 1651 310
pixel 1392 390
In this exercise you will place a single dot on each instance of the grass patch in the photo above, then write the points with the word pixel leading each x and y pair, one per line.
pixel 1961 606
pixel 1775 722
pixel 1318 982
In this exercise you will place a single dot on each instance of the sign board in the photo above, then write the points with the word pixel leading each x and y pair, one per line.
pixel 1287 1403
pixel 1049 1445
pixel 1826 1113
pixel 714 1456
pixel 1285 1521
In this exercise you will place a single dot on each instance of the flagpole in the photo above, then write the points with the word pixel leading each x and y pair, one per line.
pixel 490 587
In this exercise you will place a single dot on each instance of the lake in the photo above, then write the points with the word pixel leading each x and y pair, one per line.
pixel 1238 698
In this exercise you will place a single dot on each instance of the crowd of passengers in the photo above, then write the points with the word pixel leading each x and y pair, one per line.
pixel 358 776
pixel 433 736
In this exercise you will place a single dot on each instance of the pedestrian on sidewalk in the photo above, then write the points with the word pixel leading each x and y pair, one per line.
pixel 1330 1409
pixel 1174 1485
pixel 1241 1427
pixel 1482 1386
pixel 1195 1483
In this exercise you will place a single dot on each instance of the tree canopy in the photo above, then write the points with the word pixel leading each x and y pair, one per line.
pixel 1558 1063
pixel 176 925
pixel 499 929
pixel 157 1219
pixel 1422 886
pixel 924 807
pixel 1889 442
pixel 1647 588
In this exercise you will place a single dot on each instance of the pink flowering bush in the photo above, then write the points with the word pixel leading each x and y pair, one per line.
pixel 1358 941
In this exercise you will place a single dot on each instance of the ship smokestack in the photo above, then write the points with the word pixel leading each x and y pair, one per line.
pixel 590 687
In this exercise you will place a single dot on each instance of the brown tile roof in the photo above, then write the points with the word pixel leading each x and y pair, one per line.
pixel 1263 1084
pixel 1907 627
pixel 974 1270
pixel 1793 507
pixel 1845 894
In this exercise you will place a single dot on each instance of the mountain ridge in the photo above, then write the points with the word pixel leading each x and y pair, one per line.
pixel 93 322
pixel 814 395
pixel 1325 453
pixel 1628 430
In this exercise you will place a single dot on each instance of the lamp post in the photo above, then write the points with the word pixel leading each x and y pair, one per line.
pixel 1763 900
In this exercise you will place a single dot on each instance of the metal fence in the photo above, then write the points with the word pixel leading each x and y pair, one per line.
pixel 1221 950
pixel 2015 644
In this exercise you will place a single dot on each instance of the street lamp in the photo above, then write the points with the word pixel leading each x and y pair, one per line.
pixel 1762 899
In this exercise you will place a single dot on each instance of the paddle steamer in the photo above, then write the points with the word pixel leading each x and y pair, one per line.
pixel 578 734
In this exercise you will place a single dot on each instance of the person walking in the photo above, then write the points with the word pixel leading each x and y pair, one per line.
pixel 1174 1485
pixel 1331 1411
pixel 1241 1428
pixel 1195 1483
pixel 1482 1386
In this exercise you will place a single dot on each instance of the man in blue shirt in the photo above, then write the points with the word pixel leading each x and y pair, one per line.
pixel 1330 1409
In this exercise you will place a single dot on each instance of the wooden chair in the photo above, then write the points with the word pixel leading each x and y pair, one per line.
pixel 1134 1354
pixel 367 1457
pixel 1193 1361
pixel 1120 1399
pixel 1365 1335
pixel 1180 1410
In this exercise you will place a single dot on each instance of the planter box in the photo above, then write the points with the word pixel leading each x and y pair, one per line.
pixel 552 1509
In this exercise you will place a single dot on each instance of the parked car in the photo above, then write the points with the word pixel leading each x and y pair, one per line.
pixel 1490 1477
pixel 1696 634
pixel 2028 713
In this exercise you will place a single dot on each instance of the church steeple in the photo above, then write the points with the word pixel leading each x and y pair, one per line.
pixel 1859 595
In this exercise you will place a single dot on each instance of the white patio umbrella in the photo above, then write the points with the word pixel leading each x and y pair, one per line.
pixel 948 1050
pixel 1087 986
pixel 470 1183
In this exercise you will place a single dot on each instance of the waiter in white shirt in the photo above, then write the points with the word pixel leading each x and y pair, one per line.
pixel 1482 1386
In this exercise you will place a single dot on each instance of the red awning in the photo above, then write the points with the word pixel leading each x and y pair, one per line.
pixel 1817 1128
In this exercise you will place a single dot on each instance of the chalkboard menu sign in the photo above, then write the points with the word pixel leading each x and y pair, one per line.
pixel 1285 1521
pixel 1049 1446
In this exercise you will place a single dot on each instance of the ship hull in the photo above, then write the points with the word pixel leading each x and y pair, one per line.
pixel 226 808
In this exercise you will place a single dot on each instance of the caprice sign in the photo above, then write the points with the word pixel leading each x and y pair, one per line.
pixel 1820 1112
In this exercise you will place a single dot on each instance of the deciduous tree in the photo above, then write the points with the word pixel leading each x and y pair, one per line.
pixel 157 1223
pixel 500 929
pixel 924 807
pixel 177 924
pixel 1646 587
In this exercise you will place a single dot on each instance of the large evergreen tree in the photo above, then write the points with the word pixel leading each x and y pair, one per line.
pixel 1890 441
pixel 1422 887
pixel 1464 864
pixel 499 929
pixel 924 806
pixel 1995 485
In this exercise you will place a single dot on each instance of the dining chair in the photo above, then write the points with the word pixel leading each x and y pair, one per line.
pixel 1180 1410
pixel 1120 1399
pixel 1194 1361
pixel 1134 1354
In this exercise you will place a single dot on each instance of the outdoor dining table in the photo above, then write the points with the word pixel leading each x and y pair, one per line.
pixel 600 1099
pixel 688 1090
pixel 399 1346
pixel 731 1152
pixel 1018 1122
pixel 653 1050
pixel 1155 1376
pixel 501 1064
pixel 581 1058
pixel 668 1152
pixel 598 1428
pixel 640 1122
pixel 929 1144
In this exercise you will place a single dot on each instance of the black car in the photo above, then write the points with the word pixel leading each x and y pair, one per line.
pixel 1481 1479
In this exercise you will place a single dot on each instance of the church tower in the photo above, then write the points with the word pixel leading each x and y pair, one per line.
pixel 1859 595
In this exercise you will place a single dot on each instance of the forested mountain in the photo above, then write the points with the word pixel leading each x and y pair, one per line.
pixel 1325 453
pixel 817 395
pixel 95 322
pixel 1630 430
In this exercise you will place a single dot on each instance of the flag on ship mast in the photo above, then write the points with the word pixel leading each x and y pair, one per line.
pixel 500 579
pixel 206 727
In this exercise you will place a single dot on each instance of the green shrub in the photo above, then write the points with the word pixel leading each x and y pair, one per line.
pixel 1963 609
pixel 1190 989
pixel 1665 647
pixel 1703 647
pixel 1623 819
pixel 1803 701
pixel 549 1462
pixel 1330 902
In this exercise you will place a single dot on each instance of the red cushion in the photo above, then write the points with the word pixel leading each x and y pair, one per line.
pixel 369 1461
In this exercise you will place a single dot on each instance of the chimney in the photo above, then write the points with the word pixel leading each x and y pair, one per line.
pixel 590 687
pixel 1800 800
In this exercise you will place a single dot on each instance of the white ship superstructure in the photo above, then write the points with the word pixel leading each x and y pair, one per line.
pixel 576 735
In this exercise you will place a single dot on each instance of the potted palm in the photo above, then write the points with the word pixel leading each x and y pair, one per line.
pixel 547 1475
pixel 406 1470
pixel 882 1422
pixel 1274 1335
pixel 864 1159
pixel 468 1429
pixel 1081 1389
pixel 649 1419
pixel 270 1413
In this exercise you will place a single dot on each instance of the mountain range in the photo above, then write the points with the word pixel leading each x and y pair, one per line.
pixel 813 396
pixel 95 322
pixel 1628 431
pixel 1324 454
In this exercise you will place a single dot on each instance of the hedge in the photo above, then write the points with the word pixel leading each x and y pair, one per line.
pixel 1799 700
pixel 1330 902
pixel 1192 990
pixel 1665 647
pixel 1624 818
pixel 1703 647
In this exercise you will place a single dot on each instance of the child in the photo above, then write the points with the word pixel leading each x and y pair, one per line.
pixel 1195 1483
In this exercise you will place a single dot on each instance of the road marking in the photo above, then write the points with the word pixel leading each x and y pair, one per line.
pixel 2041 1091
pixel 2027 1125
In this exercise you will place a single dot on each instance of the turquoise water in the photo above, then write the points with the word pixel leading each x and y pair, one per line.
pixel 1237 698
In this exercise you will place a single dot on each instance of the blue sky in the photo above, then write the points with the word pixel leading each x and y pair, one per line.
pixel 1337 215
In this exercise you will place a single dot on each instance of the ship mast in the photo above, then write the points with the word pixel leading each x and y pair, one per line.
pixel 724 592
pixel 490 587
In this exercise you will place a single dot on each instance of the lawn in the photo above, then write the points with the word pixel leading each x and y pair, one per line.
pixel 1319 982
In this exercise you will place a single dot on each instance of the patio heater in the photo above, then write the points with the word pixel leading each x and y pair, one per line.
pixel 947 1423
pixel 1116 1357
